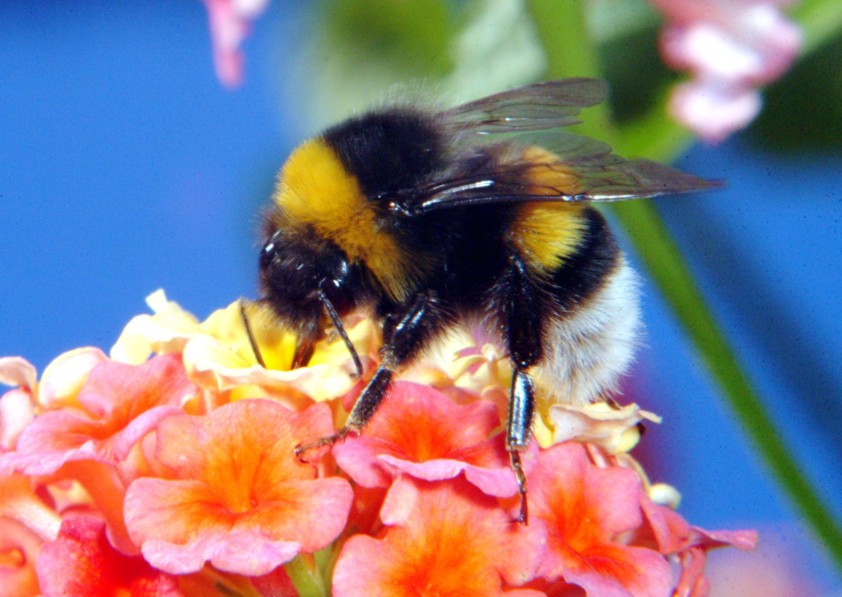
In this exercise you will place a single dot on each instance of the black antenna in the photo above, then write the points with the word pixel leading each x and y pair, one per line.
pixel 254 348
pixel 337 323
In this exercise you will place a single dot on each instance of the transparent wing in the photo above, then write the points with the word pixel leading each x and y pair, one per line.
pixel 613 178
pixel 551 167
pixel 510 150
pixel 535 107
pixel 619 181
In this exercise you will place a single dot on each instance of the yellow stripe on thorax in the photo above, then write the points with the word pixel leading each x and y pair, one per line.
pixel 315 189
pixel 546 233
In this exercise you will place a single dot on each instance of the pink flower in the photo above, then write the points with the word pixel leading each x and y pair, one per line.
pixel 444 538
pixel 81 562
pixel 115 408
pixel 589 518
pixel 238 497
pixel 17 406
pixel 230 24
pixel 421 432
pixel 730 47
pixel 16 412
pixel 674 536
pixel 25 523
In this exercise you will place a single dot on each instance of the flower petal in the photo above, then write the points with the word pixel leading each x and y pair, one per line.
pixel 17 371
pixel 17 411
pixel 165 331
pixel 230 23
pixel 81 562
pixel 65 376
pixel 587 511
pixel 615 429
pixel 18 547
pixel 236 481
pixel 117 406
pixel 714 110
pixel 423 433
pixel 731 48
pixel 441 538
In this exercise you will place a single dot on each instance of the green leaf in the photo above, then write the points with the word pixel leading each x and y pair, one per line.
pixel 459 50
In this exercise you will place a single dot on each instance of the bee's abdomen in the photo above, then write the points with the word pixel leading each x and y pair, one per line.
pixel 588 348
pixel 568 246
pixel 592 323
pixel 584 270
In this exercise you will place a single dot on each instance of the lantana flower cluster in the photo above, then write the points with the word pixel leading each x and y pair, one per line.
pixel 168 468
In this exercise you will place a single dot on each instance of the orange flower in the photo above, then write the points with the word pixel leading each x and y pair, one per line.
pixel 588 512
pixel 188 457
pixel 18 546
pixel 116 407
pixel 25 522
pixel 444 538
pixel 421 432
pixel 239 498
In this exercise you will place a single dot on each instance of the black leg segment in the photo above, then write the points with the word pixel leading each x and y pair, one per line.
pixel 521 411
pixel 522 305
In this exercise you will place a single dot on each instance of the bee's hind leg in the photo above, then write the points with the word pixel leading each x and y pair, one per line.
pixel 519 430
pixel 522 310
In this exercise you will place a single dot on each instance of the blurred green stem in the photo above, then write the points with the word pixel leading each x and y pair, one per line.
pixel 306 576
pixel 562 28
pixel 820 21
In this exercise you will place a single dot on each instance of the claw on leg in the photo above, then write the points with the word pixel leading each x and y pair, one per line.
pixel 322 442
pixel 517 467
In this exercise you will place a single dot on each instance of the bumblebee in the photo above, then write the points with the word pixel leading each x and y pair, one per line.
pixel 475 214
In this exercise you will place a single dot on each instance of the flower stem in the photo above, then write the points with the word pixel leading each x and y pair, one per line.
pixel 306 575
pixel 820 22
pixel 562 28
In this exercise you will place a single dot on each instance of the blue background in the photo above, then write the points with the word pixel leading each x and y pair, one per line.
pixel 126 167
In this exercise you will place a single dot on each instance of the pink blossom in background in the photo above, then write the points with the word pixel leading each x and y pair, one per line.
pixel 230 24
pixel 730 47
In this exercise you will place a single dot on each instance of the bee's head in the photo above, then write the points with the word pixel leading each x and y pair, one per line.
pixel 298 271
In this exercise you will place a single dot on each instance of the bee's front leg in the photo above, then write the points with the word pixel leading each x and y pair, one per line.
pixel 416 320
